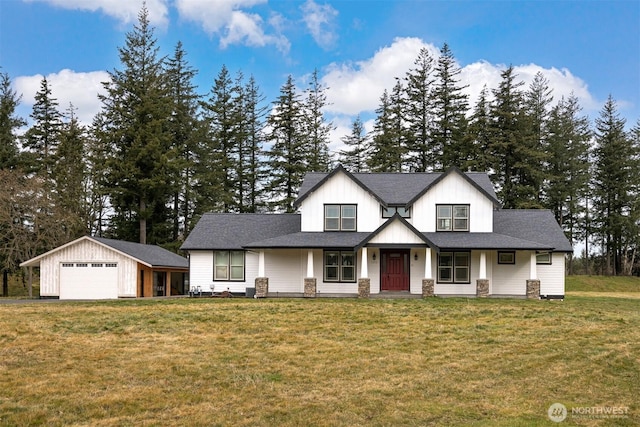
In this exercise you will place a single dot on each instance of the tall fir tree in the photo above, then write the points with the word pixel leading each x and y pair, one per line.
pixel 509 153
pixel 388 149
pixel 567 168
pixel 219 163
pixel 251 168
pixel 479 133
pixel 537 103
pixel 615 178
pixel 9 124
pixel 353 157
pixel 287 156
pixel 136 108
pixel 70 177
pixel 183 128
pixel 42 138
pixel 451 105
pixel 315 127
pixel 423 154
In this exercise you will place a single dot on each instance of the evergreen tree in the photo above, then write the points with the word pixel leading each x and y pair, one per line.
pixel 423 153
pixel 9 124
pixel 41 140
pixel 537 101
pixel 183 128
pixel 479 134
pixel 221 116
pixel 615 181
pixel 354 157
pixel 251 169
pixel 287 157
pixel 509 153
pixel 388 146
pixel 567 168
pixel 69 175
pixel 135 115
pixel 315 128
pixel 450 110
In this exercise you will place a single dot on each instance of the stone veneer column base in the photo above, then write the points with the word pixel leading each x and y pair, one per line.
pixel 364 288
pixel 310 287
pixel 427 287
pixel 482 288
pixel 262 287
pixel 533 289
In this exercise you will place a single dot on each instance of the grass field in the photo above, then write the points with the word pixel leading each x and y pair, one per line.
pixel 477 362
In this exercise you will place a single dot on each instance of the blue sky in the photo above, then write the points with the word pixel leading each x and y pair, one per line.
pixel 590 48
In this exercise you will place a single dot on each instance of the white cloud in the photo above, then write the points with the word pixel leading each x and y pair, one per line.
pixel 320 21
pixel 234 26
pixel 67 86
pixel 357 87
pixel 125 11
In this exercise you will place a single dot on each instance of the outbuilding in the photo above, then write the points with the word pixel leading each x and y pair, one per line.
pixel 100 268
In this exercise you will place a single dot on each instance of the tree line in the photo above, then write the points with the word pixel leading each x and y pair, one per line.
pixel 159 154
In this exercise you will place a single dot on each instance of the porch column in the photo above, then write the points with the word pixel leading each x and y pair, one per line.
pixel 310 280
pixel 427 281
pixel 482 284
pixel 261 282
pixel 364 283
pixel 364 263
pixel 533 284
pixel 261 264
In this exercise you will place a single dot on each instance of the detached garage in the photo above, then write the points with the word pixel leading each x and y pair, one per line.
pixel 99 268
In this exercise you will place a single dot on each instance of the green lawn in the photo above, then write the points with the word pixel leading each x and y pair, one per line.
pixel 291 362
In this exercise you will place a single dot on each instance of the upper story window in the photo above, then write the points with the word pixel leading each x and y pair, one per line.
pixel 452 217
pixel 340 217
pixel 389 211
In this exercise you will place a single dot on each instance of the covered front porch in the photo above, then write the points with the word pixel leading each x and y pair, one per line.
pixel 420 271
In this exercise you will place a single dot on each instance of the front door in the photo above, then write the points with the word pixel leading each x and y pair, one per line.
pixel 395 270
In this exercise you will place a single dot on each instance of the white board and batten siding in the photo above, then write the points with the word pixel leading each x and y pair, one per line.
pixel 340 189
pixel 89 252
pixel 201 273
pixel 552 276
pixel 453 189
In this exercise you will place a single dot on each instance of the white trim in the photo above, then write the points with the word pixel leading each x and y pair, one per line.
pixel 364 260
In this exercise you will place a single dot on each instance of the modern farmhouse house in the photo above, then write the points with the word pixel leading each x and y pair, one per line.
pixel 384 233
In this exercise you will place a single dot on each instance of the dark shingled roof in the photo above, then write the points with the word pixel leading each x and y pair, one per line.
pixel 536 225
pixel 150 254
pixel 397 188
pixel 235 231
pixel 489 241
pixel 312 240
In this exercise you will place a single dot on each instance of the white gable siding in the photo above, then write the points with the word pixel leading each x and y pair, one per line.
pixel 453 189
pixel 396 232
pixel 552 276
pixel 86 251
pixel 340 189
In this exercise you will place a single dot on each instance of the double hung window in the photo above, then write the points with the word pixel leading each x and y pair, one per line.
pixel 340 217
pixel 452 217
pixel 228 265
pixel 339 266
pixel 453 267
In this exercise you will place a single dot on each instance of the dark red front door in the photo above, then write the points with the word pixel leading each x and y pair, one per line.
pixel 395 270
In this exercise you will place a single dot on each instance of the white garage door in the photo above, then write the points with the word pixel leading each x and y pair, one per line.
pixel 88 280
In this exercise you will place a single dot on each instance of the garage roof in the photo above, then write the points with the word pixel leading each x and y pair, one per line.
pixel 149 255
